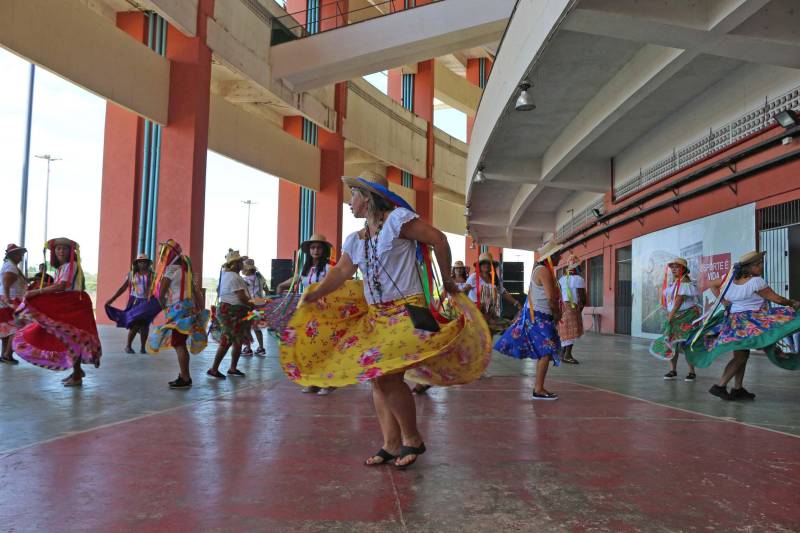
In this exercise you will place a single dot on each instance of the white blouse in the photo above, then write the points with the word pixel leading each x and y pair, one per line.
pixel 473 292
pixel 572 282
pixel 17 289
pixel 689 292
pixel 313 277
pixel 743 297
pixel 397 258
pixel 66 274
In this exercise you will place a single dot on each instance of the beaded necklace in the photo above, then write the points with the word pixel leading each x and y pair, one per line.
pixel 372 275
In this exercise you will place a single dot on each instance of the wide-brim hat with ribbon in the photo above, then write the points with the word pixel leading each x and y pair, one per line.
pixel 368 182
pixel 751 258
pixel 142 258
pixel 486 257
pixel 317 237
pixel 232 257
pixel 680 261
pixel 11 248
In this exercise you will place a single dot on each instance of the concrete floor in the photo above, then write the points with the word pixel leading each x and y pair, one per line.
pixel 620 451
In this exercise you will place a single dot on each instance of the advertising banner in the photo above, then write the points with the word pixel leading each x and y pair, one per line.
pixel 709 244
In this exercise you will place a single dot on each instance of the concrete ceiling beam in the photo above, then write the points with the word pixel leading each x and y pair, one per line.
pixel 454 90
pixel 387 42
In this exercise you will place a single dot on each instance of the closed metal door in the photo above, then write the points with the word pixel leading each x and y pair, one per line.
pixel 623 298
pixel 776 263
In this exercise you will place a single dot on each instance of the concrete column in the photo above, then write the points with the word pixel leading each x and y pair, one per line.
pixel 330 197
pixel 122 171
pixel 289 201
pixel 184 146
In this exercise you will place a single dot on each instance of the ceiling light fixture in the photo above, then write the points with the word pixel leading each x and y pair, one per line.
pixel 787 119
pixel 480 177
pixel 524 100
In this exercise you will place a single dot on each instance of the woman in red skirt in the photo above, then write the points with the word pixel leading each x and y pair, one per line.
pixel 12 282
pixel 61 332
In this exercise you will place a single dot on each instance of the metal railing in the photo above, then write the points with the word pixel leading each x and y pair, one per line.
pixel 314 22
pixel 579 220
pixel 734 131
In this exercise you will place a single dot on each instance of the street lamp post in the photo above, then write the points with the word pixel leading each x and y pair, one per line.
pixel 249 204
pixel 49 159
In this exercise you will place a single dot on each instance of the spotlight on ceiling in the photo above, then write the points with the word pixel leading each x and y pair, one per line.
pixel 467 212
pixel 524 100
pixel 597 212
pixel 480 177
pixel 787 119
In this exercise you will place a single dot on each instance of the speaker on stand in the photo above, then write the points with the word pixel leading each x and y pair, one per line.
pixel 282 269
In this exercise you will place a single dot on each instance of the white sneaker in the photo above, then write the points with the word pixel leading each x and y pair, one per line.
pixel 311 389
pixel 325 391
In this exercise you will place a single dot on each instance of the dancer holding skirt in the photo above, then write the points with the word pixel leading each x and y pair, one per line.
pixel 142 306
pixel 12 283
pixel 749 323
pixel 61 332
pixel 347 332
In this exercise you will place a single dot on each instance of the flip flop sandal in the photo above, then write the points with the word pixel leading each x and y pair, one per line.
pixel 8 361
pixel 571 361
pixel 409 450
pixel 384 455
pixel 69 383
pixel 216 374
pixel 238 373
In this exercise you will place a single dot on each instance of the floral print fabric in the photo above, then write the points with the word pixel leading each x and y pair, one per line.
pixel 341 340
pixel 233 326
pixel 183 318
pixel 675 332
pixel 747 330
pixel 531 338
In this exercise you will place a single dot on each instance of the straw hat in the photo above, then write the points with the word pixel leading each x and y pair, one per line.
pixel 317 237
pixel 52 243
pixel 142 257
pixel 368 182
pixel 11 248
pixel 231 257
pixel 751 258
pixel 459 264
pixel 486 257
pixel 680 261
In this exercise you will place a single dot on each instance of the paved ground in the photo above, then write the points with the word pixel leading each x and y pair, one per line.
pixel 620 451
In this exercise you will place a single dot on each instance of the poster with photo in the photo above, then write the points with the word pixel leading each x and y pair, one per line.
pixel 709 244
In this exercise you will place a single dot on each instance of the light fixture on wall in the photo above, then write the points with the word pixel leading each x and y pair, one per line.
pixel 480 177
pixel 787 119
pixel 596 212
pixel 524 100
pixel 467 212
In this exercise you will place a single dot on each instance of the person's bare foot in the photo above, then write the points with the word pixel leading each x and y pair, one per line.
pixel 74 381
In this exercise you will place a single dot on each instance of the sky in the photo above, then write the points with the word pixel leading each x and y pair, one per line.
pixel 68 123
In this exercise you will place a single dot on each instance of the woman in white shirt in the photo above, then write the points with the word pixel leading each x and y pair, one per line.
pixel 255 287
pixel 61 332
pixel 749 324
pixel 347 332
pixel 680 299
pixel 13 290
pixel 486 290
pixel 181 297
pixel 460 274
pixel 234 327
pixel 573 297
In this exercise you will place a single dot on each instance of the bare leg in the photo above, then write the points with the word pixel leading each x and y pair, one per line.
pixel 738 378
pixel 260 339
pixel 144 332
pixel 389 426
pixel 132 331
pixel 673 363
pixel 183 362
pixel 542 365
pixel 76 378
pixel 739 358
pixel 400 401
pixel 235 353
pixel 8 351
pixel 221 351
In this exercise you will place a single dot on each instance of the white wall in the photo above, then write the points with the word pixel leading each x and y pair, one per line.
pixel 733 96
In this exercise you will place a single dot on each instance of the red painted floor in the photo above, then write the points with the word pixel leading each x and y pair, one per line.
pixel 271 459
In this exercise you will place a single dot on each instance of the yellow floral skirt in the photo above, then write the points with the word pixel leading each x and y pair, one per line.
pixel 341 340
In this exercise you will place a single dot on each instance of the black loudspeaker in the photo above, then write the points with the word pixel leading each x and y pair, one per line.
pixel 514 287
pixel 282 269
pixel 513 272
